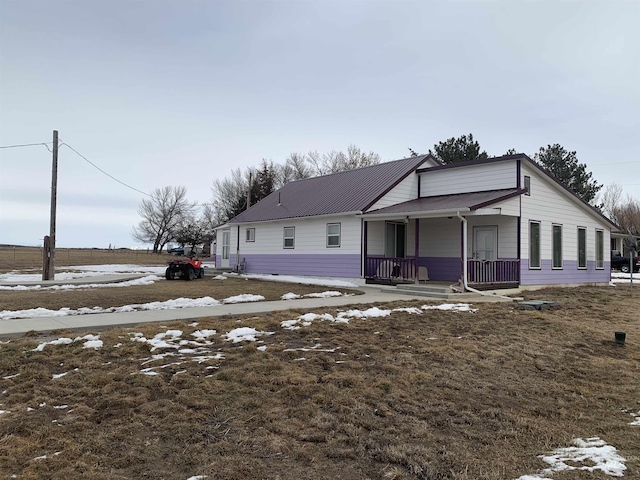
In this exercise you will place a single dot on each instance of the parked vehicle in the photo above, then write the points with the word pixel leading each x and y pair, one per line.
pixel 176 251
pixel 618 262
pixel 187 269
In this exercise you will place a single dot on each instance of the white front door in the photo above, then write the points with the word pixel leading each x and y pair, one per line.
pixel 226 246
pixel 485 242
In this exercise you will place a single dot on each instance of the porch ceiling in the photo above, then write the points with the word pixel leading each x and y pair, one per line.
pixel 446 204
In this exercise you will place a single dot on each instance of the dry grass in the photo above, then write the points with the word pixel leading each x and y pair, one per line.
pixel 441 395
pixel 27 258
pixel 388 402
pixel 21 258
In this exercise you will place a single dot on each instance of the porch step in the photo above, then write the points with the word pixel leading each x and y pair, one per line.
pixel 434 292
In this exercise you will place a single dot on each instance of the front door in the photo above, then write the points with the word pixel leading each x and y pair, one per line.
pixel 226 245
pixel 485 243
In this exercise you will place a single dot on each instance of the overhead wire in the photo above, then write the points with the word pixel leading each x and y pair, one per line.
pixel 102 171
pixel 45 144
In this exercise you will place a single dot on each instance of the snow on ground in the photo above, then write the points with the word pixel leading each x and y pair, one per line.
pixel 625 278
pixel 325 282
pixel 374 312
pixel 81 271
pixel 327 294
pixel 593 453
pixel 147 280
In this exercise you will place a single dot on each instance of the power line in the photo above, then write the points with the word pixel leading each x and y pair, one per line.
pixel 46 145
pixel 105 173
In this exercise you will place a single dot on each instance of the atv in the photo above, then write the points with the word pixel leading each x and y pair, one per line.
pixel 187 269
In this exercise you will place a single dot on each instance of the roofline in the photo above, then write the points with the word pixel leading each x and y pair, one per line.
pixel 441 212
pixel 337 214
pixel 508 196
pixel 426 157
pixel 469 208
pixel 522 156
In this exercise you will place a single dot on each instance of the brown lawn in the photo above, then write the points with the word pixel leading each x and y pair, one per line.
pixel 441 395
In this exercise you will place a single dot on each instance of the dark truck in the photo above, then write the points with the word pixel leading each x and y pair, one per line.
pixel 618 262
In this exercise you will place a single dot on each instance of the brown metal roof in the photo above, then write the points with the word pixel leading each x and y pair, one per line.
pixel 350 191
pixel 449 203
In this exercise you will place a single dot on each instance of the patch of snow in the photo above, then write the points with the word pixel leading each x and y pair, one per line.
pixel 244 334
pixel 262 348
pixel 593 453
pixel 453 307
pixel 9 377
pixel 373 312
pixel 59 375
pixel 325 282
pixel 197 477
pixel 290 296
pixel 330 293
pixel 242 298
pixel 219 277
pixel 60 341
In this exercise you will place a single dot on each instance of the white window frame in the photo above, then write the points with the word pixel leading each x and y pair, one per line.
pixel 556 248
pixel 599 249
pixel 539 244
pixel 584 254
pixel 291 236
pixel 250 234
pixel 334 235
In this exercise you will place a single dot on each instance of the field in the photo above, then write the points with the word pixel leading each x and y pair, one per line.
pixel 432 395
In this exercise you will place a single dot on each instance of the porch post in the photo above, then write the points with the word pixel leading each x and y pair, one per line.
pixel 364 248
pixel 417 251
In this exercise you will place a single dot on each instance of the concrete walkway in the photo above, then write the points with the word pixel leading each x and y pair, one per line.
pixel 100 320
pixel 18 326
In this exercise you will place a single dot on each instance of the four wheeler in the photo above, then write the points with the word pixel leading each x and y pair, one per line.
pixel 187 269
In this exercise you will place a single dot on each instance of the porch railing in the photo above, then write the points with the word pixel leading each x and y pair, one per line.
pixel 493 271
pixel 392 269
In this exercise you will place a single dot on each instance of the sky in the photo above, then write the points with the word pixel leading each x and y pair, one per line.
pixel 165 93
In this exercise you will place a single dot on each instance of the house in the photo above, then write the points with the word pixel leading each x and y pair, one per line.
pixel 499 222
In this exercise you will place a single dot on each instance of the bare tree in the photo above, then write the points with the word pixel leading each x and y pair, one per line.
pixel 335 161
pixel 295 168
pixel 161 215
pixel 610 198
pixel 230 194
pixel 627 216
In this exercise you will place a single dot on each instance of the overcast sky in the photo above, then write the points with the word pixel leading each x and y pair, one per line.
pixel 161 93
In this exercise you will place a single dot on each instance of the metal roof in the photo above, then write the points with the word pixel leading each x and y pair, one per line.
pixel 351 191
pixel 449 203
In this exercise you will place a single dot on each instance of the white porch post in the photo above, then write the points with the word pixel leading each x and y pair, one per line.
pixel 417 251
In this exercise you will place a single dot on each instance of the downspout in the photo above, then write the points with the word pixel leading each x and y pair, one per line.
pixel 464 262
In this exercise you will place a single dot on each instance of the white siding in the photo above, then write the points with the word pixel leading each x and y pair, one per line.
pixel 375 238
pixel 310 236
pixel 507 234
pixel 406 190
pixel 440 237
pixel 550 205
pixel 509 207
pixel 474 178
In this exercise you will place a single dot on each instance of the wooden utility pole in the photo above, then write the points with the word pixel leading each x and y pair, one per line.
pixel 50 249
pixel 249 191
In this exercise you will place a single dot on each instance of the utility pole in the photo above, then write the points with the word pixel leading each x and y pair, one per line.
pixel 50 249
pixel 249 191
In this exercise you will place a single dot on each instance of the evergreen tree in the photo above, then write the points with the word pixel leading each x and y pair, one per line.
pixel 564 165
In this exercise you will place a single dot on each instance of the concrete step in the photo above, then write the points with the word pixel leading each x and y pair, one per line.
pixel 435 293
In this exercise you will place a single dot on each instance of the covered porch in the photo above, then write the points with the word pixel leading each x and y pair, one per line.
pixel 471 240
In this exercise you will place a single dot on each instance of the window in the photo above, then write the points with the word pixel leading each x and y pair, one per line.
pixel 333 234
pixel 289 237
pixel 582 247
pixel 251 235
pixel 527 184
pixel 226 240
pixel 395 240
pixel 534 244
pixel 599 249
pixel 557 246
